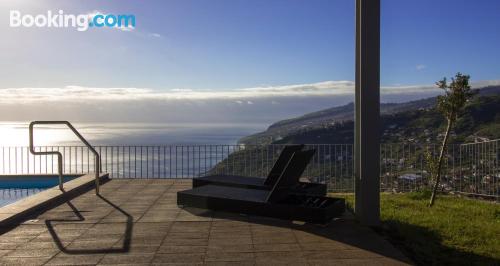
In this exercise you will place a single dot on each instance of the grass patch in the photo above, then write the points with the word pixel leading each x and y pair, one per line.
pixel 456 231
pixel 420 195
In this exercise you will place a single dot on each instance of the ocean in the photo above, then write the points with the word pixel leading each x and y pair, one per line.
pixel 16 133
pixel 126 149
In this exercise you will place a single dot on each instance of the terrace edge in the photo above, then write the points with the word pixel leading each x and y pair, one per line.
pixel 13 214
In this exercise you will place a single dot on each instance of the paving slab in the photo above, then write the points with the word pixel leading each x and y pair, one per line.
pixel 137 222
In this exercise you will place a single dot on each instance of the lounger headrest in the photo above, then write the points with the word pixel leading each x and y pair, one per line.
pixel 280 164
pixel 291 175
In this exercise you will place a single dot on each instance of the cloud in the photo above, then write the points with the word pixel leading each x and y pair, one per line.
pixel 420 67
pixel 265 104
pixel 240 96
pixel 93 13
pixel 79 93
pixel 155 35
pixel 128 28
pixel 125 28
pixel 485 83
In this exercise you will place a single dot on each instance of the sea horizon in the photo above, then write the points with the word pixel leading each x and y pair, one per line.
pixel 16 133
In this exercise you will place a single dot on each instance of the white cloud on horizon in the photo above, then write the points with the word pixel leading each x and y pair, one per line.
pixel 263 105
pixel 245 95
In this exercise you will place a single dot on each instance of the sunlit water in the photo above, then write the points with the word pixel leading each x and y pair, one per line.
pixel 16 133
pixel 127 150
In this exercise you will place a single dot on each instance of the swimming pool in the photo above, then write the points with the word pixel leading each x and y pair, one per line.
pixel 16 187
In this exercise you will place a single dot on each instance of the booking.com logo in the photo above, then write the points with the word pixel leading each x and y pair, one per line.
pixel 81 22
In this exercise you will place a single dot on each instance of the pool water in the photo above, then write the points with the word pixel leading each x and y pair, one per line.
pixel 16 187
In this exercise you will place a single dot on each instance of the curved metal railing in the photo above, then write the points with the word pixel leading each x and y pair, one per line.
pixel 59 155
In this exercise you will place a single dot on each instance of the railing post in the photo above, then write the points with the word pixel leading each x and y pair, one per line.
pixel 60 170
pixel 97 172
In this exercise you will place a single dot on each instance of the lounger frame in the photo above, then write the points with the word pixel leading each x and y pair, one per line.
pixel 280 202
pixel 293 207
pixel 264 183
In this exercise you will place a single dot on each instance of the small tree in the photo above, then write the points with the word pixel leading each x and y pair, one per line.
pixel 456 95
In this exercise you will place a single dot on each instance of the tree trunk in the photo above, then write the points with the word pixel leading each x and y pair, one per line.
pixel 440 162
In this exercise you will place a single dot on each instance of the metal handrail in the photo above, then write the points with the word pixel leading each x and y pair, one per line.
pixel 59 155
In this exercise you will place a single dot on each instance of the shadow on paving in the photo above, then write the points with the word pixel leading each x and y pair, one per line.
pixel 344 230
pixel 425 247
pixel 79 218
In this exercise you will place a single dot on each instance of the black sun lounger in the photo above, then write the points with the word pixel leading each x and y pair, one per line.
pixel 264 183
pixel 279 202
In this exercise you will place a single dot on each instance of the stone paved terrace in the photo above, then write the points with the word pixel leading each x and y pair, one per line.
pixel 137 222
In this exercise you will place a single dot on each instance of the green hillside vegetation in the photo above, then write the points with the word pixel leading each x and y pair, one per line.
pixel 481 119
pixel 414 122
pixel 407 127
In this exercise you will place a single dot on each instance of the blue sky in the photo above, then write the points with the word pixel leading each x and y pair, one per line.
pixel 443 37
pixel 239 44
pixel 232 48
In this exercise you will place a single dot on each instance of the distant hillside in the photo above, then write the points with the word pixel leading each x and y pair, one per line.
pixel 401 122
